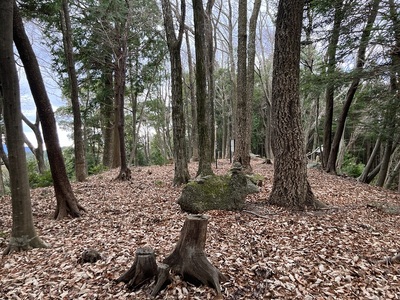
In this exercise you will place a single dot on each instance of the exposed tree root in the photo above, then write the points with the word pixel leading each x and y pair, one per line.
pixel 18 244
pixel 188 258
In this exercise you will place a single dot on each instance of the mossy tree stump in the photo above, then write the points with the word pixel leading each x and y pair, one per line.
pixel 144 269
pixel 188 258
pixel 226 192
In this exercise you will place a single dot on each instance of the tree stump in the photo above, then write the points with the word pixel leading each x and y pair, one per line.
pixel 163 279
pixel 188 258
pixel 144 268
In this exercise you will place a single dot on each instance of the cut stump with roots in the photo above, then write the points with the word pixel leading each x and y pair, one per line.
pixel 189 259
pixel 144 269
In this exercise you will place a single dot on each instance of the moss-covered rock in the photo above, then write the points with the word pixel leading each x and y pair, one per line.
pixel 227 192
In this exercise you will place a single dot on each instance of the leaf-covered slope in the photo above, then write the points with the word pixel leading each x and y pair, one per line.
pixel 266 252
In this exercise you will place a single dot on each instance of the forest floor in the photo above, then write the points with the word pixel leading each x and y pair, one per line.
pixel 268 254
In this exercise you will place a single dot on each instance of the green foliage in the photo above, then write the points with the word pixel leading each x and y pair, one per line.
pixel 140 156
pixel 96 169
pixel 35 178
pixel 69 159
pixel 351 167
pixel 93 165
pixel 156 157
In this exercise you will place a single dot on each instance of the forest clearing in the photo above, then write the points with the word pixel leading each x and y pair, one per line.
pixel 264 251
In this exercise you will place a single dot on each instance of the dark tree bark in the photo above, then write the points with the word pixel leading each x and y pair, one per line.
pixel 23 234
pixel 242 147
pixel 201 91
pixel 188 258
pixel 121 55
pixel 107 112
pixel 67 204
pixel 360 61
pixel 79 145
pixel 371 159
pixel 250 73
pixel 210 59
pixel 330 88
pixel 290 187
pixel 181 174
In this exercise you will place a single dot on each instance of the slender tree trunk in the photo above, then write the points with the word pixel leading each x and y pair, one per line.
pixel 242 149
pixel 210 59
pixel 23 233
pixel 330 88
pixel 107 112
pixel 385 163
pixel 201 91
pixel 331 165
pixel 233 75
pixel 79 145
pixel 195 137
pixel 37 152
pixel 250 73
pixel 371 159
pixel 121 55
pixel 181 174
pixel 290 186
pixel 67 204
pixel 390 179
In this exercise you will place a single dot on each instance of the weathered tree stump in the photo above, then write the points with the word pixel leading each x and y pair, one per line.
pixel 144 268
pixel 188 258
pixel 163 279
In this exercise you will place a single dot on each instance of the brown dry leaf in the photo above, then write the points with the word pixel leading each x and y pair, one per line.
pixel 329 254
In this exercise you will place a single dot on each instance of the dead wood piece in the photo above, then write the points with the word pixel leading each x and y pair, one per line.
pixel 89 256
pixel 162 279
pixel 391 260
pixel 257 214
pixel 188 258
pixel 144 268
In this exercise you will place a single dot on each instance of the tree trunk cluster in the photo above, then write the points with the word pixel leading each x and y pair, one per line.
pixel 188 260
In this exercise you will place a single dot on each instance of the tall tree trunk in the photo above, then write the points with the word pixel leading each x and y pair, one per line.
pixel 107 112
pixel 67 204
pixel 331 165
pixel 395 79
pixel 23 233
pixel 250 72
pixel 201 91
pixel 79 145
pixel 290 186
pixel 121 55
pixel 210 58
pixel 233 75
pixel 242 147
pixel 195 137
pixel 181 174
pixel 330 88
